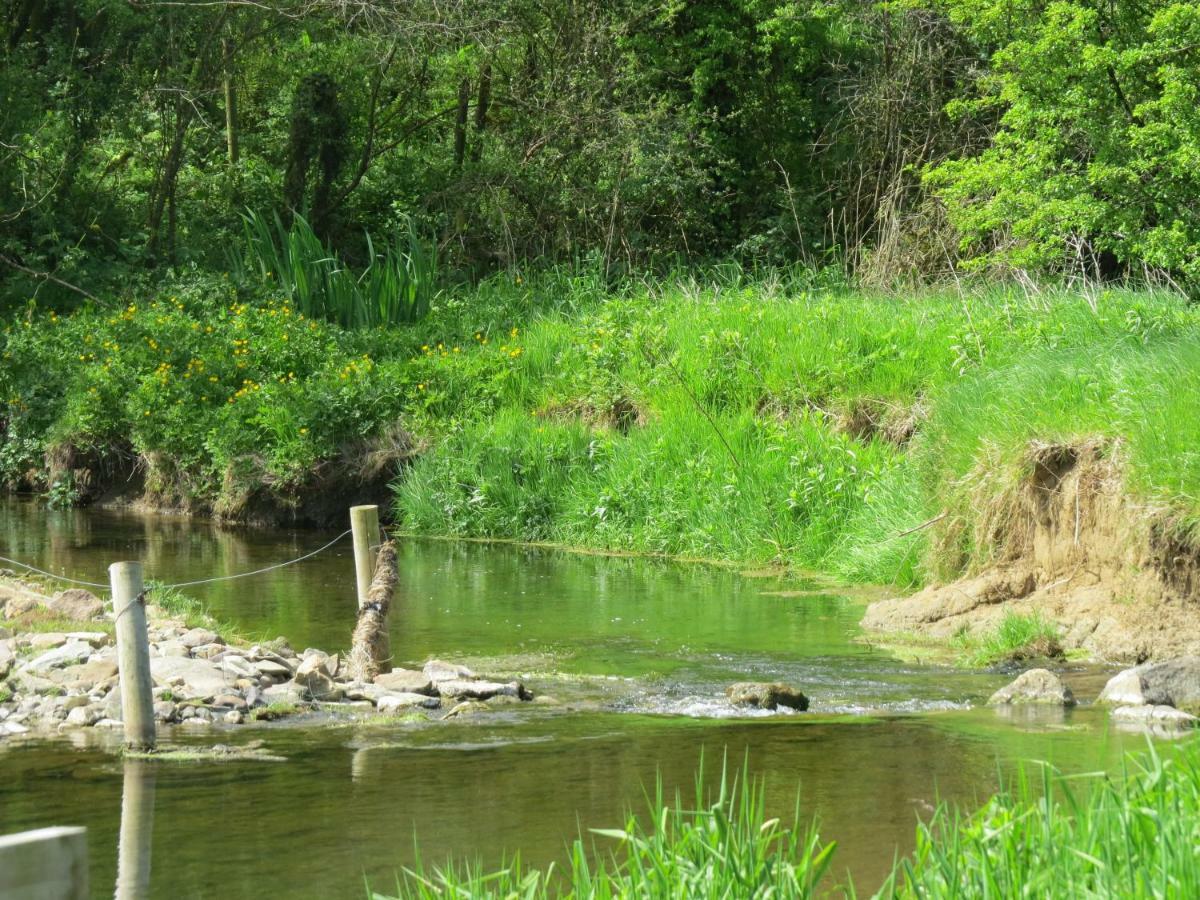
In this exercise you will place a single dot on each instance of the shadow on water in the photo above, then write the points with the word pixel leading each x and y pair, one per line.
pixel 637 652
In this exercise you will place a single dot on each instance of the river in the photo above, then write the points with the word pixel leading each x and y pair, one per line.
pixel 636 653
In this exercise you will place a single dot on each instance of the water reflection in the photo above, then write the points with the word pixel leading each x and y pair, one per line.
pixel 136 843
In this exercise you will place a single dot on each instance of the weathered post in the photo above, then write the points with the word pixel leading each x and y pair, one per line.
pixel 364 524
pixel 133 654
pixel 371 649
pixel 50 863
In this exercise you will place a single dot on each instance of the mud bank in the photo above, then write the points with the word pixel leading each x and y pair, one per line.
pixel 1067 541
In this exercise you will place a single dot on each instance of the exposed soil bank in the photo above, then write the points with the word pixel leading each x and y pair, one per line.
pixel 1068 542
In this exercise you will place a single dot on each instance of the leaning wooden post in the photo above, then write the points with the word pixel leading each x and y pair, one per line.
pixel 133 654
pixel 371 648
pixel 364 524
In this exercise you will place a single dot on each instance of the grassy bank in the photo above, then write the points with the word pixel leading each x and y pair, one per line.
pixel 1042 835
pixel 767 419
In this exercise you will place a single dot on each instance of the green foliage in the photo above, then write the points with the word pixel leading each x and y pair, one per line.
pixel 1095 156
pixel 1018 636
pixel 711 846
pixel 395 287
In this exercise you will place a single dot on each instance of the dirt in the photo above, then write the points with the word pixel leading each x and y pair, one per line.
pixel 1068 542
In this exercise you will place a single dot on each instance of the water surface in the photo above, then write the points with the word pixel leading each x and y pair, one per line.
pixel 636 652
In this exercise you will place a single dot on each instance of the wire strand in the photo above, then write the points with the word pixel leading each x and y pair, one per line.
pixel 51 574
pixel 281 565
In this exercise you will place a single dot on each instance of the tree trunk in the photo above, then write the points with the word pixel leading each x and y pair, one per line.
pixel 481 110
pixel 231 135
pixel 460 122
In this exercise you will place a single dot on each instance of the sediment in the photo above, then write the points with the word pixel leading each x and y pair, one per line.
pixel 1119 576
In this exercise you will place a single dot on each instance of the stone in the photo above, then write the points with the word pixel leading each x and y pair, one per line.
pixel 289 692
pixel 83 716
pixel 172 648
pixel 482 690
pixel 406 681
pixel 19 606
pixel 1167 717
pixel 200 637
pixel 766 695
pixel 11 727
pixel 466 708
pixel 68 654
pixel 88 676
pixel 233 717
pixel 231 701
pixel 76 604
pixel 315 676
pixel 273 670
pixel 47 640
pixel 1034 686
pixel 97 639
pixel 391 702
pixel 189 678
pixel 237 667
pixel 438 670
pixel 165 711
pixel 1175 683
pixel 208 651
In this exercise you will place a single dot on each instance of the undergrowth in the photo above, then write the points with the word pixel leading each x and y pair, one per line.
pixel 1043 835
pixel 1017 637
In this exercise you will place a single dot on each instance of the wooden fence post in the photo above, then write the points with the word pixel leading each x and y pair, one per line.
pixel 364 524
pixel 137 831
pixel 133 655
pixel 50 863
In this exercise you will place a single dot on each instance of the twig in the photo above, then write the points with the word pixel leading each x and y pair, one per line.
pixel 46 276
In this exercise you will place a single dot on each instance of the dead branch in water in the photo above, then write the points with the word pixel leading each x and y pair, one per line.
pixel 370 652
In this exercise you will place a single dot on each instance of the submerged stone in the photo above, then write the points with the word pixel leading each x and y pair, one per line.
pixel 766 695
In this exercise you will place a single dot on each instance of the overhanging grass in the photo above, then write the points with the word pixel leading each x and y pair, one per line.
pixel 1043 835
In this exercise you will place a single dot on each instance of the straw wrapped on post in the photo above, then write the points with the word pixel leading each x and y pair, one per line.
pixel 370 652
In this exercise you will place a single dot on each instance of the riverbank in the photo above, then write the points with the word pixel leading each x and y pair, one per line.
pixel 1034 444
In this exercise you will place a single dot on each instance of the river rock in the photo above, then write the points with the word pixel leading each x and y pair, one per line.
pixel 208 651
pixel 391 702
pixel 1174 683
pixel 437 670
pixel 229 701
pixel 97 639
pixel 482 690
pixel 1034 686
pixel 276 671
pixel 7 659
pixel 86 677
pixel 199 637
pixel 288 692
pixel 1167 717
pixel 19 605
pixel 466 708
pixel 165 711
pixel 766 695
pixel 189 678
pixel 315 676
pixel 76 604
pixel 83 716
pixel 46 640
pixel 233 717
pixel 172 648
pixel 237 667
pixel 68 654
pixel 406 681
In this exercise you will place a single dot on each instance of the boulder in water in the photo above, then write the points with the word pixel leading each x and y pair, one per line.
pixel 1035 686
pixel 1174 683
pixel 766 695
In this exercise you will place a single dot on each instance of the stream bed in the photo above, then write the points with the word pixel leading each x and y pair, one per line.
pixel 636 655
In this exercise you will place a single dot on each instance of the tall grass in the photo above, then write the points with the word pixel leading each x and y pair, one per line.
pixel 723 846
pixel 395 287
pixel 1043 835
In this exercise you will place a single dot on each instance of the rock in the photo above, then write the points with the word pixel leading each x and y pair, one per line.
pixel 76 604
pixel 46 640
pixel 208 651
pixel 7 660
pixel 406 681
pixel 466 708
pixel 20 605
pixel 172 648
pixel 318 686
pixel 237 667
pixel 1034 686
pixel 274 670
pixel 231 701
pixel 200 637
pixel 437 670
pixel 315 676
pixel 97 639
pixel 233 717
pixel 1167 717
pixel 165 711
pixel 766 695
pixel 482 690
pixel 11 727
pixel 83 716
pixel 65 655
pixel 87 677
pixel 1175 683
pixel 189 678
pixel 389 703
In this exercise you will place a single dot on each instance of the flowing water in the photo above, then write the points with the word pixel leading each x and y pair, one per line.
pixel 636 654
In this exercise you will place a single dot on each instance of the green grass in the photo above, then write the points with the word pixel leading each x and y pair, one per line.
pixel 750 419
pixel 1018 637
pixel 1045 835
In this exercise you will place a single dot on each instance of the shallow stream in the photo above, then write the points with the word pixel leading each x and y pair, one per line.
pixel 636 653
